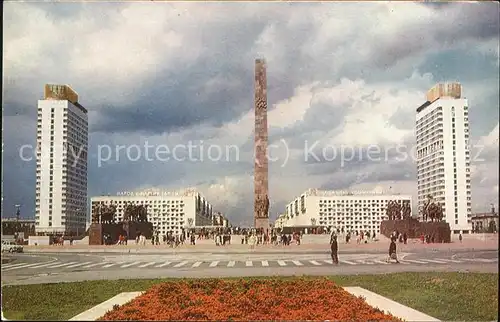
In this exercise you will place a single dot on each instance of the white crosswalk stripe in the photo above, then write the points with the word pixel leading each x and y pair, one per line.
pixel 94 265
pixel 232 264
pixel 79 264
pixel 414 261
pixel 62 265
pixel 130 264
pixel 164 264
pixel 44 264
pixel 483 260
pixel 12 265
pixel 180 264
pixel 197 264
pixel 111 265
pixel 21 266
pixel 347 262
pixel 147 264
pixel 4 267
pixel 435 261
pixel 449 260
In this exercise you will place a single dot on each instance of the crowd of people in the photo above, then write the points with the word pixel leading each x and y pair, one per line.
pixel 254 238
pixel 224 236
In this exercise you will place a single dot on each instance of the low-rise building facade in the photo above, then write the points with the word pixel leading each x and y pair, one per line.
pixel 359 211
pixel 280 221
pixel 168 211
pixel 485 222
pixel 218 219
pixel 18 227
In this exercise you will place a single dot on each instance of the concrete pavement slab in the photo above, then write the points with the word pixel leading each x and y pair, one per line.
pixel 396 309
pixel 99 310
pixel 468 245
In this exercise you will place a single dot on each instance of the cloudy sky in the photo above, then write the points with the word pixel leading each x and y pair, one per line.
pixel 339 75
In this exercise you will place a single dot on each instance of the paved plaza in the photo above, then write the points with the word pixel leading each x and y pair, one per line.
pixel 312 244
pixel 43 264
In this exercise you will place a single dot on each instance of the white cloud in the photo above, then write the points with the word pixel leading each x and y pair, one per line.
pixel 288 112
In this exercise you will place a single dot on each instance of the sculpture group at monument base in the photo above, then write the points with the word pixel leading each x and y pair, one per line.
pixel 439 230
pixel 262 224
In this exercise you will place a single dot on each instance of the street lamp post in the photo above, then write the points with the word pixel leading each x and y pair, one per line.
pixel 18 216
pixel 78 225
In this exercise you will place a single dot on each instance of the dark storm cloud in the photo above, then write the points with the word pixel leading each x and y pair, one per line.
pixel 142 172
pixel 12 108
pixel 464 21
pixel 321 117
pixel 170 108
pixel 353 175
pixel 18 175
pixel 180 98
pixel 480 20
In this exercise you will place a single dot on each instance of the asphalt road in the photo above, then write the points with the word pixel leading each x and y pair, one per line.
pixel 65 267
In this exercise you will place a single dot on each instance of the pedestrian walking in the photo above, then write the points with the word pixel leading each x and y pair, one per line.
pixel 460 237
pixel 334 246
pixel 392 252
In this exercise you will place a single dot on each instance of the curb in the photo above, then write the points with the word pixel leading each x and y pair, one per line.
pixel 99 310
pixel 323 250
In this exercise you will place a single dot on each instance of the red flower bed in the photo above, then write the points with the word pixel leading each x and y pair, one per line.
pixel 260 299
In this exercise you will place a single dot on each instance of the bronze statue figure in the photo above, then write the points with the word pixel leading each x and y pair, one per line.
pixel 431 210
pixel 136 213
pixel 393 210
pixel 406 210
pixel 266 207
pixel 262 207
pixel 105 214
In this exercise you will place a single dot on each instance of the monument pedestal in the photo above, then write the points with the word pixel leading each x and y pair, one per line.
pixel 414 228
pixel 262 223
pixel 131 228
pixel 95 234
pixel 98 230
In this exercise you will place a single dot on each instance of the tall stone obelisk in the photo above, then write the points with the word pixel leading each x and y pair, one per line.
pixel 261 186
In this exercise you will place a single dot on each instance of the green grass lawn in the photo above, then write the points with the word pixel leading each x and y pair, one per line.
pixel 446 296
